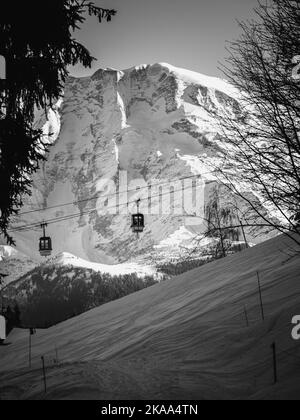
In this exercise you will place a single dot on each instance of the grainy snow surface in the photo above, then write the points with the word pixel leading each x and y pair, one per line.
pixel 181 339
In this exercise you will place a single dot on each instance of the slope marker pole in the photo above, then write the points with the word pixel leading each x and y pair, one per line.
pixel 56 354
pixel 260 297
pixel 29 349
pixel 246 316
pixel 274 362
pixel 44 374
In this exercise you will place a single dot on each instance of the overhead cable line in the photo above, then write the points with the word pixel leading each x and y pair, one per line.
pixel 87 212
pixel 85 200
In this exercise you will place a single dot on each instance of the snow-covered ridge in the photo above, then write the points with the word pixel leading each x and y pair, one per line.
pixel 189 76
pixel 8 252
pixel 67 259
pixel 186 76
pixel 14 264
pixel 52 127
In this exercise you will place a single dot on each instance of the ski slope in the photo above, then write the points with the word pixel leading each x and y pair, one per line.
pixel 186 338
pixel 67 259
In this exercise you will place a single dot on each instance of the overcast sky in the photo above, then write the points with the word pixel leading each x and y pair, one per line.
pixel 186 33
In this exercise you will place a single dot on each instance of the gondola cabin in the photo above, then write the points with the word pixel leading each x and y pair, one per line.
pixel 45 246
pixel 138 223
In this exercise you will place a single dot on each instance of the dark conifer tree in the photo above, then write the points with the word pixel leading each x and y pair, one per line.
pixel 17 316
pixel 38 44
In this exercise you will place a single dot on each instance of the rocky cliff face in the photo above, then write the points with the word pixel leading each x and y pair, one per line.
pixel 125 129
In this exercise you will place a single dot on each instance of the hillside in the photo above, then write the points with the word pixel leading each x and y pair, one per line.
pixel 65 286
pixel 182 339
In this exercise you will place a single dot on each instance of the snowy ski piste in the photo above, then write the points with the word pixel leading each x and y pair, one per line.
pixel 185 338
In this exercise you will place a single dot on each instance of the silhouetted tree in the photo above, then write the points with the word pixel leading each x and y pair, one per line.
pixel 2 285
pixel 17 316
pixel 9 316
pixel 222 225
pixel 37 41
pixel 12 316
pixel 264 133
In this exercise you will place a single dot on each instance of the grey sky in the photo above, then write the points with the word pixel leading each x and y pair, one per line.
pixel 186 33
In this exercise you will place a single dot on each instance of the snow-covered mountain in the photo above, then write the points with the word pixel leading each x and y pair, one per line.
pixel 14 264
pixel 7 252
pixel 119 130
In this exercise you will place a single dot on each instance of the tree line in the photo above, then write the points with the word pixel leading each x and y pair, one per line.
pixel 51 295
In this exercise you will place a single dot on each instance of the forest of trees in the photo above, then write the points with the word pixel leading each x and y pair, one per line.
pixel 176 268
pixel 55 294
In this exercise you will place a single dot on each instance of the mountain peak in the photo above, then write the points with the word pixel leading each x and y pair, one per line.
pixel 186 76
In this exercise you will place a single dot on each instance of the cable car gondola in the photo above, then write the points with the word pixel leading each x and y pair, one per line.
pixel 45 243
pixel 138 221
